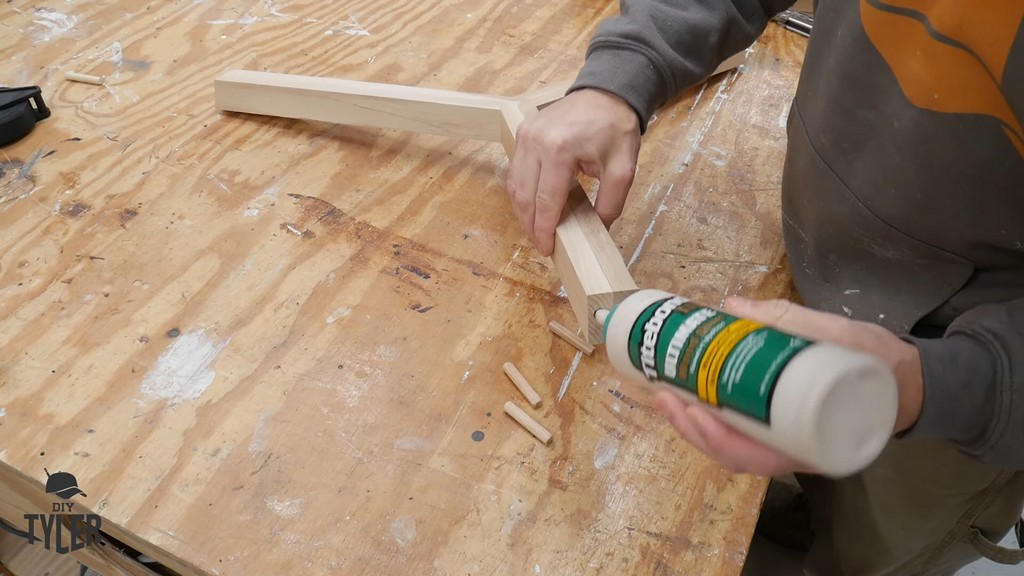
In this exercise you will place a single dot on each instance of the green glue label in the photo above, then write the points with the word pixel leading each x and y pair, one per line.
pixel 723 360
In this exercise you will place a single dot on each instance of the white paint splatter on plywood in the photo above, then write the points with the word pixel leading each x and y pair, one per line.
pixel 662 207
pixel 350 27
pixel 185 369
pixel 403 529
pixel 49 25
pixel 116 54
pixel 465 375
pixel 568 376
pixel 415 444
pixel 259 435
pixel 338 314
pixel 605 452
pixel 243 20
pixel 285 508
pixel 266 198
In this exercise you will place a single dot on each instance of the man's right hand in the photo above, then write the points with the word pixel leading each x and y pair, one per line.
pixel 589 130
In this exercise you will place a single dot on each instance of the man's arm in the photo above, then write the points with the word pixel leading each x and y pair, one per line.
pixel 966 388
pixel 974 384
pixel 636 62
pixel 654 50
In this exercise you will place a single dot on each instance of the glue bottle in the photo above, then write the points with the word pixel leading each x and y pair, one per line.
pixel 827 406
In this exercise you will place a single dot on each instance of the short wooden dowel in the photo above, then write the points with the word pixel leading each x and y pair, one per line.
pixel 525 421
pixel 86 78
pixel 520 381
pixel 571 337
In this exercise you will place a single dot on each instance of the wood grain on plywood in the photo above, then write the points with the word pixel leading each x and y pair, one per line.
pixel 588 263
pixel 275 345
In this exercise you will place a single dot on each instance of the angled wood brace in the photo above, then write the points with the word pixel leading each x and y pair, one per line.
pixel 586 259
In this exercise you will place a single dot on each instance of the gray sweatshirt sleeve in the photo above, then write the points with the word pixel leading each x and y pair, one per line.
pixel 655 49
pixel 974 384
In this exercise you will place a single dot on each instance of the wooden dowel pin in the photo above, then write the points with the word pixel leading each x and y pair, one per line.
pixel 571 337
pixel 86 78
pixel 526 422
pixel 520 381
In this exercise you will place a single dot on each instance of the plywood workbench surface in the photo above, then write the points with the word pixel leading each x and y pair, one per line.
pixel 275 346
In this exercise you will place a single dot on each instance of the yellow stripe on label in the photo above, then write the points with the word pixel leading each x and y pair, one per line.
pixel 714 358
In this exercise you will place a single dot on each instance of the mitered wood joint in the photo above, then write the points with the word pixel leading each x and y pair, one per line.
pixel 586 259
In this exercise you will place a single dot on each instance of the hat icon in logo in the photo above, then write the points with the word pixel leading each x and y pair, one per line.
pixel 62 484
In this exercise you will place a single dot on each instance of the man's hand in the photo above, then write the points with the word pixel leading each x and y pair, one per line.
pixel 739 453
pixel 589 130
